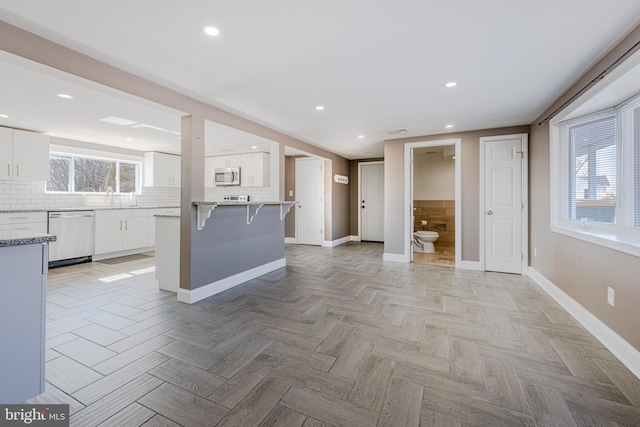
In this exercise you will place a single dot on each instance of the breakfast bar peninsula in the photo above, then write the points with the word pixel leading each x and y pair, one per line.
pixel 232 242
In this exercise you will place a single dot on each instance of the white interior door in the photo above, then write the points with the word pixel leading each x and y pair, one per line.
pixel 503 204
pixel 372 202
pixel 411 207
pixel 310 195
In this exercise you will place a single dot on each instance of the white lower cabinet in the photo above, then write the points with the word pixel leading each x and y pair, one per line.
pixel 120 230
pixel 24 221
pixel 151 222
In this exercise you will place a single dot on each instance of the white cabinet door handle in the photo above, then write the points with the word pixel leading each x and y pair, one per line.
pixel 126 225
pixel 8 169
pixel 120 225
pixel 17 170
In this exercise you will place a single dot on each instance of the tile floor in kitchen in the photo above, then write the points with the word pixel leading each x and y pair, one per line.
pixel 338 337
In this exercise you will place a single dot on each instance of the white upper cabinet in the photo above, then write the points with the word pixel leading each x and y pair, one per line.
pixel 256 170
pixel 161 170
pixel 24 155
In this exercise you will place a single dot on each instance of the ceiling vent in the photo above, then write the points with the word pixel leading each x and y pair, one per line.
pixel 397 131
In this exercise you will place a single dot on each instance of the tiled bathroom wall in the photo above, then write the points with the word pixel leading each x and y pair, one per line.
pixel 440 216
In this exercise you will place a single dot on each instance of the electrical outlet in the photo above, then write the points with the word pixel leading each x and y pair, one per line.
pixel 611 295
pixel 535 251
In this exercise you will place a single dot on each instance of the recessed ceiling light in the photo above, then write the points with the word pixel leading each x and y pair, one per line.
pixel 4 116
pixel 255 147
pixel 450 84
pixel 320 108
pixel 129 139
pixel 360 136
pixel 211 31
pixel 449 126
pixel 64 96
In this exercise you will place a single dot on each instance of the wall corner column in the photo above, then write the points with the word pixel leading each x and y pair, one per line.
pixel 192 190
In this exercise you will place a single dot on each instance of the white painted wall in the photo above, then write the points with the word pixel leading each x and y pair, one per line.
pixel 433 175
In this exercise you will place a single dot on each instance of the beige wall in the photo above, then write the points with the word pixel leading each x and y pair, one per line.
pixel 340 199
pixel 434 177
pixel 581 269
pixel 290 185
pixel 470 204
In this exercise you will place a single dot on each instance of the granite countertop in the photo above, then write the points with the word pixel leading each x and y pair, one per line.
pixel 86 208
pixel 228 203
pixel 18 237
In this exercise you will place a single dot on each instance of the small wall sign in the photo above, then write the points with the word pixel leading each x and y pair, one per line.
pixel 341 179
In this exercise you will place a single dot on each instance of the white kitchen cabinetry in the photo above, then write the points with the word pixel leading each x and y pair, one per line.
pixel 209 171
pixel 151 222
pixel 24 221
pixel 256 170
pixel 161 170
pixel 24 155
pixel 220 162
pixel 120 232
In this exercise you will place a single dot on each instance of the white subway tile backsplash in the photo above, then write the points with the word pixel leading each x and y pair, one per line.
pixel 25 195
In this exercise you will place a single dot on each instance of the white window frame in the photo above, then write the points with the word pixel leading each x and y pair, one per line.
pixel 623 235
pixel 118 160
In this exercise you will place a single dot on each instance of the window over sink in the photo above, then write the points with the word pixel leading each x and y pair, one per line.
pixel 71 173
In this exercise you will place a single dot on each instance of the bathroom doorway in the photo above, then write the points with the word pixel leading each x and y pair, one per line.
pixel 434 195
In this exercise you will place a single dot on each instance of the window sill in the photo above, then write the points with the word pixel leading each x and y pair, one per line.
pixel 629 243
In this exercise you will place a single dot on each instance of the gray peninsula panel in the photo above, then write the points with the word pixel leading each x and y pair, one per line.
pixel 227 245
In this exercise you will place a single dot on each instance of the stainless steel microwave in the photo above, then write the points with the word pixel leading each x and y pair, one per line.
pixel 227 176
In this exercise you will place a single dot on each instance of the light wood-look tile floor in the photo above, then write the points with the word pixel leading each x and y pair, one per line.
pixel 337 338
pixel 446 257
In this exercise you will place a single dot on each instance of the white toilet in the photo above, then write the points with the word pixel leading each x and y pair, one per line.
pixel 424 241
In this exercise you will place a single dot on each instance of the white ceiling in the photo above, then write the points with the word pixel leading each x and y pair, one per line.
pixel 375 65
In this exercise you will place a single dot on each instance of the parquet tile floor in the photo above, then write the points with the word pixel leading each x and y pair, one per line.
pixel 338 338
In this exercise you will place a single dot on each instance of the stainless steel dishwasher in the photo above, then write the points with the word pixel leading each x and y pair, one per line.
pixel 76 237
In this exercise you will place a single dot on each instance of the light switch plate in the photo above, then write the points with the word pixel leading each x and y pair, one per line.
pixel 611 296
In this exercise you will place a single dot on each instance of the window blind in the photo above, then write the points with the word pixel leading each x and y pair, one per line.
pixel 631 154
pixel 592 170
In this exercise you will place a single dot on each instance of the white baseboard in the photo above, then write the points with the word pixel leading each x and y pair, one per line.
pixel 469 265
pixel 290 240
pixel 395 257
pixel 337 242
pixel 110 255
pixel 625 352
pixel 355 238
pixel 195 295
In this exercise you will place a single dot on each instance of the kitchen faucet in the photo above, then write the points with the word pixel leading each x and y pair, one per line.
pixel 110 195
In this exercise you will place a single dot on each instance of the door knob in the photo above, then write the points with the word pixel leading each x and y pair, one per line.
pixel 489 212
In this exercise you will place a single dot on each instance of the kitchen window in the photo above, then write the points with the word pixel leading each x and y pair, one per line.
pixel 86 174
pixel 595 179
